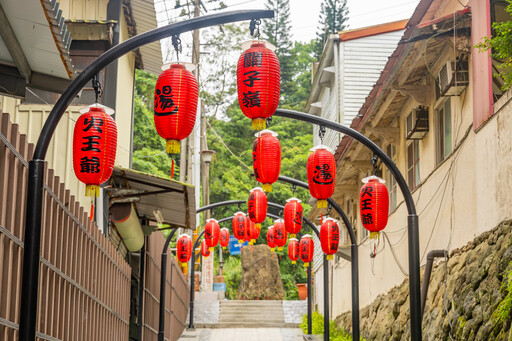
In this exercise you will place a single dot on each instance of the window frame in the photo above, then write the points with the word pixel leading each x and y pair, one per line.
pixel 441 133
pixel 392 183
pixel 413 168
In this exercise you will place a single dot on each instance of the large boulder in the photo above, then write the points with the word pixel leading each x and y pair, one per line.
pixel 261 278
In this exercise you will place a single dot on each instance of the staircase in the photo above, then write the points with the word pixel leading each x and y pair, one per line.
pixel 252 314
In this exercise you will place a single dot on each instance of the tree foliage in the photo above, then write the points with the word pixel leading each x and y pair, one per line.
pixel 333 15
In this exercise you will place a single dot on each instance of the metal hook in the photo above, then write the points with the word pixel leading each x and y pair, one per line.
pixel 254 28
pixel 268 121
pixel 97 87
pixel 239 207
pixel 294 187
pixel 321 134
pixel 176 43
pixel 374 161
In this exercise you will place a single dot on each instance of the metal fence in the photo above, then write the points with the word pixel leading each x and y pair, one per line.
pixel 177 301
pixel 84 290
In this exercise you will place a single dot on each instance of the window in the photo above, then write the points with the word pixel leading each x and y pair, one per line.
pixel 413 164
pixel 444 130
pixel 391 181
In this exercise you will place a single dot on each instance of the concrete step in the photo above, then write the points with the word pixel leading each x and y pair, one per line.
pixel 247 325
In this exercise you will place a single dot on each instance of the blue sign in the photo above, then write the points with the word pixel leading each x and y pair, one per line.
pixel 234 246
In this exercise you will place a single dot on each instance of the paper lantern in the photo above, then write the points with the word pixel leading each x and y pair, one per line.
pixel 257 206
pixel 224 237
pixel 321 174
pixel 280 234
pixel 266 158
pixel 239 226
pixel 247 232
pixel 176 94
pixel 205 250
pixel 329 237
pixel 293 213
pixel 270 238
pixel 258 78
pixel 211 233
pixel 293 250
pixel 307 249
pixel 253 232
pixel 184 250
pixel 374 205
pixel 94 147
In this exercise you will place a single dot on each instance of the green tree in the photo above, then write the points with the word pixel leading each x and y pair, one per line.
pixel 277 32
pixel 333 15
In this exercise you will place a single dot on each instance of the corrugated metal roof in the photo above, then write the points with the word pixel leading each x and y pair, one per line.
pixel 174 199
pixel 42 35
pixel 144 15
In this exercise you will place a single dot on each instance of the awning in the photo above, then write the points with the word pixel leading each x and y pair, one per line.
pixel 171 201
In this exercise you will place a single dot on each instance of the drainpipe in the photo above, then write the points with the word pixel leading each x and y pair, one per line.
pixel 142 260
pixel 428 271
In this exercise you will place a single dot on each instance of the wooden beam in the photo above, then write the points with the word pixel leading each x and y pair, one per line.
pixel 13 46
pixel 390 134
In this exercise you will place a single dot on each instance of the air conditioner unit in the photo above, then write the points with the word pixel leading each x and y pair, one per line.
pixel 344 237
pixel 417 124
pixel 453 78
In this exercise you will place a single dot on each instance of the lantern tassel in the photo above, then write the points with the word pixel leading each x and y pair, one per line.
pixel 321 204
pixel 328 257
pixel 306 265
pixel 258 124
pixel 374 235
pixel 172 168
pixel 92 191
pixel 185 268
pixel 91 216
pixel 267 188
pixel 172 147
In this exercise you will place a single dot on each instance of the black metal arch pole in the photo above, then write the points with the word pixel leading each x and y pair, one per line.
pixel 32 242
pixel 192 273
pixel 412 219
pixel 163 271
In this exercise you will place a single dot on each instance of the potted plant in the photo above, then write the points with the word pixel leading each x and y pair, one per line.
pixel 303 291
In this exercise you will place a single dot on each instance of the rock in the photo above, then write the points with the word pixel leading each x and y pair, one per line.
pixel 261 278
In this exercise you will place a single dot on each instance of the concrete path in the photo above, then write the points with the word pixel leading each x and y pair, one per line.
pixel 243 334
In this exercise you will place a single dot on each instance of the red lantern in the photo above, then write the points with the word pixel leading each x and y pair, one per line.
pixel 253 232
pixel 271 242
pixel 205 251
pixel 374 205
pixel 307 248
pixel 247 232
pixel 224 237
pixel 321 174
pixel 258 78
pixel 175 105
pixel 280 234
pixel 329 237
pixel 293 212
pixel 184 250
pixel 293 250
pixel 266 158
pixel 239 226
pixel 94 147
pixel 257 206
pixel 211 233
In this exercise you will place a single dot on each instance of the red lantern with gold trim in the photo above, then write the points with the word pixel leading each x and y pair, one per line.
pixel 257 206
pixel 224 237
pixel 321 174
pixel 280 234
pixel 205 250
pixel 254 232
pixel 94 147
pixel 293 250
pixel 239 227
pixel 271 242
pixel 266 158
pixel 329 237
pixel 176 94
pixel 211 233
pixel 293 213
pixel 374 205
pixel 258 83
pixel 184 250
pixel 307 249
pixel 247 233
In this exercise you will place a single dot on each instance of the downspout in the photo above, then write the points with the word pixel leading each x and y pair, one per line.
pixel 428 271
pixel 142 261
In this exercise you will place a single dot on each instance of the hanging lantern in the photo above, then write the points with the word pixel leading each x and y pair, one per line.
pixel 224 237
pixel 280 234
pixel 321 174
pixel 307 248
pixel 94 147
pixel 258 78
pixel 211 233
pixel 257 206
pixel 329 237
pixel 271 242
pixel 239 227
pixel 247 232
pixel 253 232
pixel 184 250
pixel 293 213
pixel 176 94
pixel 205 250
pixel 266 158
pixel 293 250
pixel 374 205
